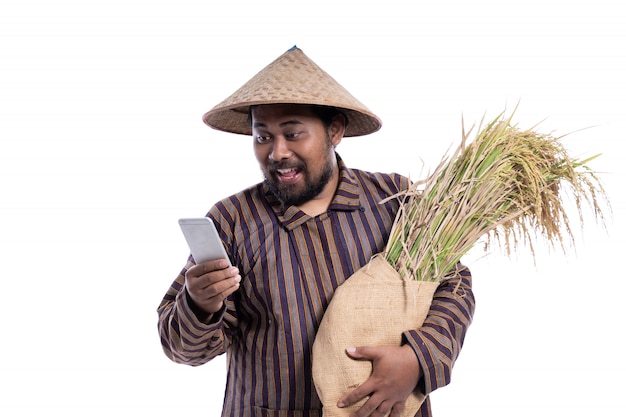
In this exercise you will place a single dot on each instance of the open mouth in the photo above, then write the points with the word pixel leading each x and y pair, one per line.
pixel 288 174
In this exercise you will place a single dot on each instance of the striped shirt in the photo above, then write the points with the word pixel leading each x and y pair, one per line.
pixel 290 265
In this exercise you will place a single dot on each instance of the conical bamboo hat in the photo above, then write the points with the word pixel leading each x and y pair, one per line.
pixel 291 78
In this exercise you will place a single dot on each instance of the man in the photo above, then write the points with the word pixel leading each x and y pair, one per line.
pixel 293 239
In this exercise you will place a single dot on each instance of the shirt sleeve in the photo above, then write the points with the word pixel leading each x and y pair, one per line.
pixel 184 338
pixel 438 342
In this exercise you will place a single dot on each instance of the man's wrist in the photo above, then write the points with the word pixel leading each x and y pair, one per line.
pixel 201 315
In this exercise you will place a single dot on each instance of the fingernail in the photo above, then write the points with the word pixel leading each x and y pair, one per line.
pixel 351 350
pixel 340 405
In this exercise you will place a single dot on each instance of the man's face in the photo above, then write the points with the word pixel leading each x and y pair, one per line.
pixel 295 151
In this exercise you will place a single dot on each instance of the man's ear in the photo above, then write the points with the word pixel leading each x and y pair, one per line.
pixel 337 129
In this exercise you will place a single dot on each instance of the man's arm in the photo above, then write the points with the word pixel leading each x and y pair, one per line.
pixel 438 342
pixel 185 337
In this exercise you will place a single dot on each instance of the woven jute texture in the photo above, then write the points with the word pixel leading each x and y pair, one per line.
pixel 292 78
pixel 371 308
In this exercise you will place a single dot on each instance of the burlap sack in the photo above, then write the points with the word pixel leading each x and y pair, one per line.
pixel 372 308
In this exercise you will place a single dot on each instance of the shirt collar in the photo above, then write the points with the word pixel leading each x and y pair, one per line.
pixel 346 199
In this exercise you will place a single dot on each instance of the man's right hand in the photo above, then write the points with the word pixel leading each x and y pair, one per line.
pixel 209 283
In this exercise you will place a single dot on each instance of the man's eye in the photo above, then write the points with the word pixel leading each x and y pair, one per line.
pixel 262 139
pixel 292 135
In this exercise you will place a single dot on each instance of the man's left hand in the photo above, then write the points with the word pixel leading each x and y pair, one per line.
pixel 395 373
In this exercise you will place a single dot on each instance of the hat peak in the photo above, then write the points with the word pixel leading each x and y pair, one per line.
pixel 292 78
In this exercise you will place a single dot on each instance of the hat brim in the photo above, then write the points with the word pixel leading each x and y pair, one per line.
pixel 236 119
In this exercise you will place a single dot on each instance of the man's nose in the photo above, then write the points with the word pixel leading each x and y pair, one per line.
pixel 280 149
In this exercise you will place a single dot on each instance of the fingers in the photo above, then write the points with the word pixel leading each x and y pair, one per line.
pixel 397 410
pixel 375 406
pixel 218 285
pixel 209 283
pixel 357 395
pixel 206 267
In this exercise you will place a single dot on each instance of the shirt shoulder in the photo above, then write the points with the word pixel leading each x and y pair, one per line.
pixel 387 183
pixel 248 206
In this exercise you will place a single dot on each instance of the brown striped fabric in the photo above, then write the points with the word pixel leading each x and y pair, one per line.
pixel 290 265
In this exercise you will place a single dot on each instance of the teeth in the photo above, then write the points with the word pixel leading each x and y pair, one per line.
pixel 285 171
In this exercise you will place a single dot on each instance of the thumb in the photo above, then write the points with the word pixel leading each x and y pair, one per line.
pixel 360 352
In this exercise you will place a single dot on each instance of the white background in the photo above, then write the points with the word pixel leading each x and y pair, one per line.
pixel 102 149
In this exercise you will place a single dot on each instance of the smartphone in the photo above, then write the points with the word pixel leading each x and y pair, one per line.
pixel 202 239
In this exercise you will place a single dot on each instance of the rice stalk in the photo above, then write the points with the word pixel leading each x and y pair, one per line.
pixel 506 186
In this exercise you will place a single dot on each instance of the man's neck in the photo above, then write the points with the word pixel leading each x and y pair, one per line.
pixel 320 204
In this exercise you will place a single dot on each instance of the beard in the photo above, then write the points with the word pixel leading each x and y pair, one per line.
pixel 295 194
